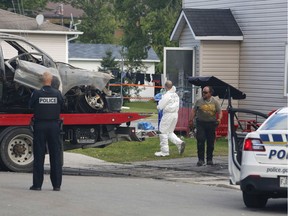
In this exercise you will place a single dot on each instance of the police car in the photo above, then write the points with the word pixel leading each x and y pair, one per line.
pixel 262 170
pixel 257 146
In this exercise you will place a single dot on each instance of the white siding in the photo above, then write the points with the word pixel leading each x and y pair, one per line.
pixel 149 67
pixel 54 45
pixel 146 92
pixel 262 53
pixel 95 65
pixel 221 59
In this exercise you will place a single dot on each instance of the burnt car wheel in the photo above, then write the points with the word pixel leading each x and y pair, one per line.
pixel 91 102
pixel 17 150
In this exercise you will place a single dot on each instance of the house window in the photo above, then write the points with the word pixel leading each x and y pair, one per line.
pixel 286 72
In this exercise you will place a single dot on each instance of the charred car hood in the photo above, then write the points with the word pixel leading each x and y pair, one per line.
pixel 29 74
pixel 72 76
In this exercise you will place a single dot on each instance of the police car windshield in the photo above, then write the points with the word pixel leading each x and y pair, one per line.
pixel 278 121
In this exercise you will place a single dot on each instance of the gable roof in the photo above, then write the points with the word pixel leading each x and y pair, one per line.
pixel 16 23
pixel 90 52
pixel 208 24
pixel 57 10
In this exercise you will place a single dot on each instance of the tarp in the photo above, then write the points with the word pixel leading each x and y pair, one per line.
pixel 220 87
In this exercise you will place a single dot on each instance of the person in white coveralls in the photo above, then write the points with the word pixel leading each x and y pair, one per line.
pixel 169 103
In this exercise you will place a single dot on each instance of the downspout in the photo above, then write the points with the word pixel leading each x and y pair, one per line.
pixel 75 28
pixel 73 38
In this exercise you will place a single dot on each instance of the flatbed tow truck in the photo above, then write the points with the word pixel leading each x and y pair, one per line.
pixel 79 130
pixel 90 116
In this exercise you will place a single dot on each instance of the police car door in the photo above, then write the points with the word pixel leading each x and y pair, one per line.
pixel 240 123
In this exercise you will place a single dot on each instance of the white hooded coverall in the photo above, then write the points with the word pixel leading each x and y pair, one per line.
pixel 169 103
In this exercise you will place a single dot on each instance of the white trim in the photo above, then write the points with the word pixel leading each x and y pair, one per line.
pixel 178 48
pixel 200 59
pixel 85 59
pixel 286 72
pixel 66 47
pixel 176 26
pixel 118 60
pixel 193 64
pixel 228 38
pixel 40 32
pixel 193 74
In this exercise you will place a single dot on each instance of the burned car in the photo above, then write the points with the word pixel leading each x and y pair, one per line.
pixel 22 65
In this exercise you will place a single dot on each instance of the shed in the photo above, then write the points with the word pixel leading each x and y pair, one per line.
pixel 243 43
pixel 218 37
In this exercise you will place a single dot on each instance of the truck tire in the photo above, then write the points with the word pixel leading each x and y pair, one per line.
pixel 16 150
pixel 2 134
pixel 254 200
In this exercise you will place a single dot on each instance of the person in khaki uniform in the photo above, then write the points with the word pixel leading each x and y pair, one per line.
pixel 204 114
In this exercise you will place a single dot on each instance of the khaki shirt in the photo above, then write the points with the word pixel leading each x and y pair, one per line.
pixel 206 111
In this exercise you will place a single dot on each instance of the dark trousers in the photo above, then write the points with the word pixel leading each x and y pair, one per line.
pixel 205 132
pixel 47 132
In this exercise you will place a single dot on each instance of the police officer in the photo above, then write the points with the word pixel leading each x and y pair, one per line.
pixel 47 103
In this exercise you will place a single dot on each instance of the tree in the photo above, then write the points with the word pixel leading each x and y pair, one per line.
pixel 27 7
pixel 108 62
pixel 159 24
pixel 147 23
pixel 135 39
pixel 98 22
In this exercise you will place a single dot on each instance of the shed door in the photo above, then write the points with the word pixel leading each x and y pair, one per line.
pixel 178 66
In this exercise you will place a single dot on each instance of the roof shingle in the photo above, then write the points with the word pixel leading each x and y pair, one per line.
pixel 212 22
pixel 208 24
pixel 98 51
pixel 14 21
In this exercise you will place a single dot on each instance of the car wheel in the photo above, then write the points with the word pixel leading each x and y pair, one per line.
pixel 91 103
pixel 254 200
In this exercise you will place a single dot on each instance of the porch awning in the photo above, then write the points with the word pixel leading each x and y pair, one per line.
pixel 220 87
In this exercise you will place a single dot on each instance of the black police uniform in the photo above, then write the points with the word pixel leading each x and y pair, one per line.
pixel 47 103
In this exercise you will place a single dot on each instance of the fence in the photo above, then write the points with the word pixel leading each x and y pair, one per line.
pixel 137 98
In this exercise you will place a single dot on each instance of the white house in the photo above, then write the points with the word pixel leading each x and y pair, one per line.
pixel 51 38
pixel 89 56
pixel 242 42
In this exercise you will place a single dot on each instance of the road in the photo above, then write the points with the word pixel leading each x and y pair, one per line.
pixel 117 196
pixel 93 187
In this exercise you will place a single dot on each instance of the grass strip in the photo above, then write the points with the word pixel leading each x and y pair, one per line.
pixel 127 152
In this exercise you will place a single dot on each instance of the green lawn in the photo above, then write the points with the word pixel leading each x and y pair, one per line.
pixel 125 152
pixel 142 107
